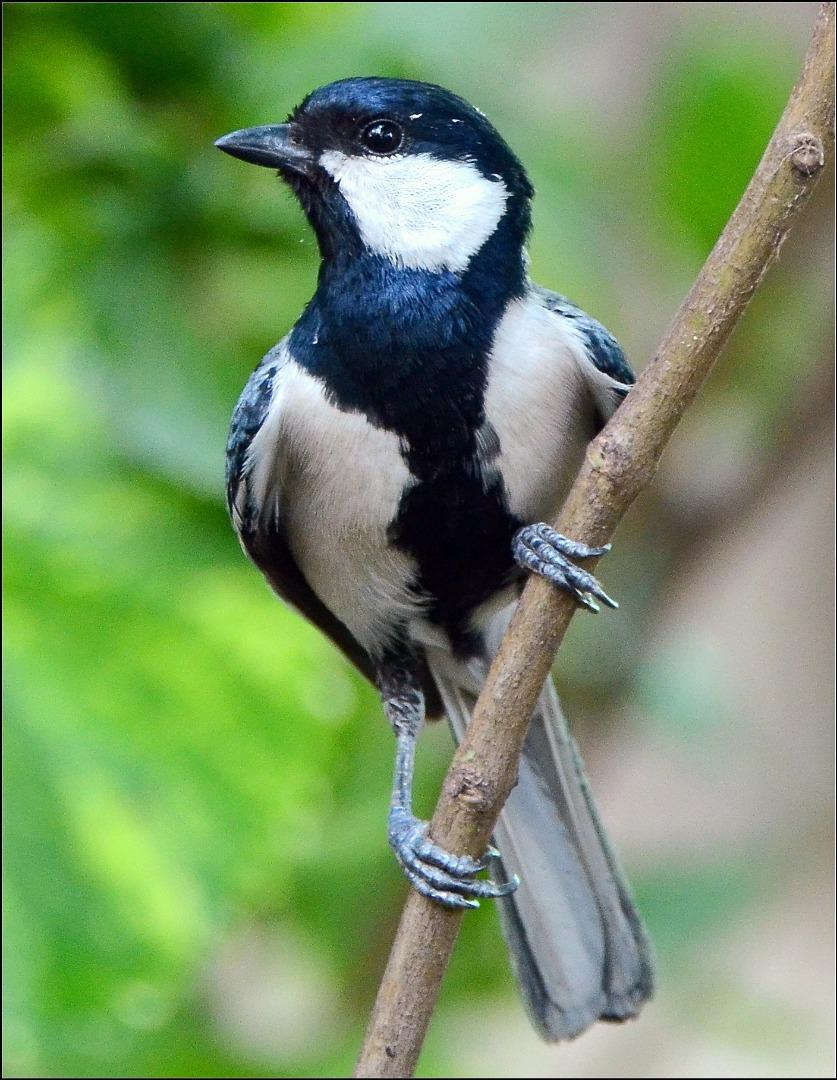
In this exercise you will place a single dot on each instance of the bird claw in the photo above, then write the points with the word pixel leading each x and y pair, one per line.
pixel 544 551
pixel 436 873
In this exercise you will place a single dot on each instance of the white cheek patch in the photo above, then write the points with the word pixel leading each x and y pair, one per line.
pixel 419 211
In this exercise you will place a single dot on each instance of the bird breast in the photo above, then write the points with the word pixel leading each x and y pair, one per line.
pixel 342 480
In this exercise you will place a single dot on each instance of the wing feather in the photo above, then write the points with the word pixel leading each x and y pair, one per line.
pixel 612 376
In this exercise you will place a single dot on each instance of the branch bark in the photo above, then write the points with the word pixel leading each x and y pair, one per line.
pixel 617 466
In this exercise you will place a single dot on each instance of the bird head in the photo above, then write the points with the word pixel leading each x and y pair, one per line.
pixel 403 170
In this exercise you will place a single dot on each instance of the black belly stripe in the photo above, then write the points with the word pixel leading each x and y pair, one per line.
pixel 455 522
pixel 424 380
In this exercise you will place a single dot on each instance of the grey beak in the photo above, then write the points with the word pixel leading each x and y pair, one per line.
pixel 276 146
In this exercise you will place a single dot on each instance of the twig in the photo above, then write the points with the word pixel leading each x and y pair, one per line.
pixel 617 466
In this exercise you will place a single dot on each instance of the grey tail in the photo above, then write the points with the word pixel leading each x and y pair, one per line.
pixel 576 941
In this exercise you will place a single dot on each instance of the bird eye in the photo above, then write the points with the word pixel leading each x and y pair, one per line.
pixel 382 137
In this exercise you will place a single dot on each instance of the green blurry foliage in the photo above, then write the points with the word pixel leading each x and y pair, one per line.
pixel 185 757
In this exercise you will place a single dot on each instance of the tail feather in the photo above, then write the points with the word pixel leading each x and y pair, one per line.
pixel 577 944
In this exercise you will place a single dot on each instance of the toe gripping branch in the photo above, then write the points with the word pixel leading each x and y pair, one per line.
pixel 436 873
pixel 544 551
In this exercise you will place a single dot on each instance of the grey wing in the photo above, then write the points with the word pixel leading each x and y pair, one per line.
pixel 259 526
pixel 603 350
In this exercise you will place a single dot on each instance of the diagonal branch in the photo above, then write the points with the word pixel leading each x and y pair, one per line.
pixel 618 465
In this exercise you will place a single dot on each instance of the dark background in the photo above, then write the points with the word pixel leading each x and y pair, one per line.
pixel 198 880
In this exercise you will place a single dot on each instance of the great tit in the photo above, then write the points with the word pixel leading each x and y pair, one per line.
pixel 391 465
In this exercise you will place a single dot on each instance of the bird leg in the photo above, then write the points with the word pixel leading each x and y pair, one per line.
pixel 434 872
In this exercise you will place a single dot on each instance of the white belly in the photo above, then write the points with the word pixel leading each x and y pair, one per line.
pixel 341 481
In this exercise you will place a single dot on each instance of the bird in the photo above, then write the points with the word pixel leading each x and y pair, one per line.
pixel 392 466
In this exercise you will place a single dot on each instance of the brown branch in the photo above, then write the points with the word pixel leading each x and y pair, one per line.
pixel 617 466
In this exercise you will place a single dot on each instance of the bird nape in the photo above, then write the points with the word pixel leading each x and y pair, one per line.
pixel 390 466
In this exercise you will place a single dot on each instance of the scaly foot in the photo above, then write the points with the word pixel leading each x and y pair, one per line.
pixel 544 551
pixel 448 879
